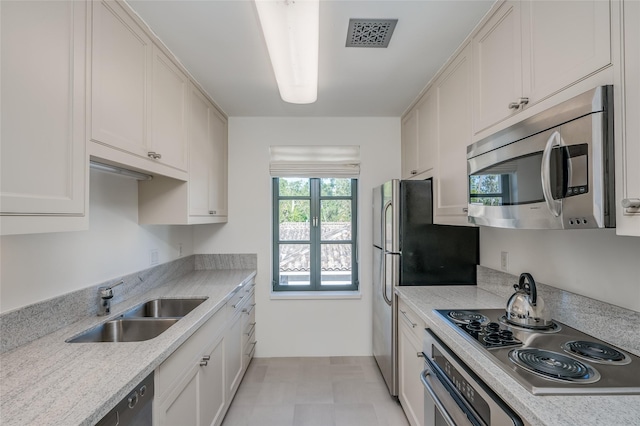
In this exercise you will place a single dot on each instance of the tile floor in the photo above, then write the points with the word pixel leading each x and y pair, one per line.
pixel 333 391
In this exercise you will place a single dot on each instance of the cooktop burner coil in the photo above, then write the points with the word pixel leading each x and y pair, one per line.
pixel 596 352
pixel 554 366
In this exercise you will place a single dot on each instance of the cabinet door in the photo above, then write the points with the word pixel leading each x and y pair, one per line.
pixel 212 387
pixel 563 42
pixel 170 88
pixel 121 54
pixel 454 134
pixel 43 153
pixel 181 407
pixel 409 144
pixel 200 153
pixel 411 392
pixel 218 176
pixel 233 360
pixel 497 67
pixel 427 131
pixel 628 146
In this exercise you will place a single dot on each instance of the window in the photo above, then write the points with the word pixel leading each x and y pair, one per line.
pixel 314 234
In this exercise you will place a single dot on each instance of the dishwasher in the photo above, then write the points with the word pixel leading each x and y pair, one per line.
pixel 134 409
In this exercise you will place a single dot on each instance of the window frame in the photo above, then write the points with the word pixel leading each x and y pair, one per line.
pixel 315 242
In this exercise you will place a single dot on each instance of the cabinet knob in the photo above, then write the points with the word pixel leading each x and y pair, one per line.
pixel 414 172
pixel 465 210
pixel 631 203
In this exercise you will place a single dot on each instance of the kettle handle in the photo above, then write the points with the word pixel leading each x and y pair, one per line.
pixel 529 287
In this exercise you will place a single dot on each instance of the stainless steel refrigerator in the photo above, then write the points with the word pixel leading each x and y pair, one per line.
pixel 408 249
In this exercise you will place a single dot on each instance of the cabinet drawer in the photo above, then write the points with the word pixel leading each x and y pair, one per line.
pixel 174 368
pixel 409 319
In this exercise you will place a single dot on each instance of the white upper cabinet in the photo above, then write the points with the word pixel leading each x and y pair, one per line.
pixel 44 175
pixel 409 144
pixel 454 134
pixel 497 66
pixel 121 55
pixel 419 133
pixel 530 50
pixel 427 131
pixel 563 42
pixel 202 198
pixel 170 89
pixel 207 158
pixel 628 126
pixel 138 96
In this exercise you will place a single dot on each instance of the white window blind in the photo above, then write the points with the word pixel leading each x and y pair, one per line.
pixel 319 161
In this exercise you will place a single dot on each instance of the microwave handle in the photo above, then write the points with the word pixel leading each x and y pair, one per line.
pixel 555 206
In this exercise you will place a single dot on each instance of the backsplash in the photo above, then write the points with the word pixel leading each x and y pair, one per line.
pixel 226 261
pixel 613 324
pixel 26 324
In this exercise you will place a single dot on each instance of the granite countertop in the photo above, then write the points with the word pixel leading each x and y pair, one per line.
pixel 537 410
pixel 50 382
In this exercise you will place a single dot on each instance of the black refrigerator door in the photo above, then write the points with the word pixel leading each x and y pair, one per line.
pixel 433 254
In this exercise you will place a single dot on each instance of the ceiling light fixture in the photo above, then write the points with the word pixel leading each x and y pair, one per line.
pixel 291 29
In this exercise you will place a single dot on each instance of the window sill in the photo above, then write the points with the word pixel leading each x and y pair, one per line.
pixel 315 295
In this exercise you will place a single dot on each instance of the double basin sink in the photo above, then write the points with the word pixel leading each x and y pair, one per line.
pixel 142 322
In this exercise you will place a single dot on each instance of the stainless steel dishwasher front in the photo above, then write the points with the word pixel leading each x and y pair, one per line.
pixel 134 409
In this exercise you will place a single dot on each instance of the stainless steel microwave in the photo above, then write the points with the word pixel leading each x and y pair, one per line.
pixel 554 170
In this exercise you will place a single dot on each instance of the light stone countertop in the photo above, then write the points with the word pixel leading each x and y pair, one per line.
pixel 537 410
pixel 50 382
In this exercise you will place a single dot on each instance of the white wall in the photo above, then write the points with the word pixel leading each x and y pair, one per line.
pixel 594 263
pixel 301 327
pixel 41 266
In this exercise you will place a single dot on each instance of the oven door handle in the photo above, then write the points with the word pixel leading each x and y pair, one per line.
pixel 434 397
pixel 435 371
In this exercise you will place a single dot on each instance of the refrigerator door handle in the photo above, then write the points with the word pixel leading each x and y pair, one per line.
pixel 384 280
pixel 384 241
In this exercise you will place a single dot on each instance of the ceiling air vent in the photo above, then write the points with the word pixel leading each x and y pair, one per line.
pixel 370 32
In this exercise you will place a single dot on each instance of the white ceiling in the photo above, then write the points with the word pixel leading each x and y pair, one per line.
pixel 221 44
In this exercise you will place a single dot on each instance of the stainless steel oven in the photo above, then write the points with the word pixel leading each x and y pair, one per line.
pixel 454 395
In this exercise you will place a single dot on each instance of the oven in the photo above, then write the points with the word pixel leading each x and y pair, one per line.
pixel 454 395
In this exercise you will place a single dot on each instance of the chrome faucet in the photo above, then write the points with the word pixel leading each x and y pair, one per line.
pixel 106 294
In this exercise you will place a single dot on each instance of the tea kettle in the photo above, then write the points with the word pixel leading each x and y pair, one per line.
pixel 525 308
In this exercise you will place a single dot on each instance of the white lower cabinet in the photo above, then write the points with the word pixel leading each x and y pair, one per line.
pixel 410 365
pixel 195 385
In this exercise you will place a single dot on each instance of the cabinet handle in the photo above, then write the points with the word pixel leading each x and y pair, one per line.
pixel 253 349
pixel 420 355
pixel 205 361
pixel 408 319
pixel 212 212
pixel 631 203
pixel 154 155
pixel 237 303
pixel 253 327
pixel 465 210
pixel 414 172
pixel 249 310
pixel 521 103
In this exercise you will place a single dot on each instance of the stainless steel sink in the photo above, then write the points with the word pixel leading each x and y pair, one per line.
pixel 142 322
pixel 125 330
pixel 163 308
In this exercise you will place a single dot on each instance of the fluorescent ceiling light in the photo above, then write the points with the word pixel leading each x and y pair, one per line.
pixel 291 30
